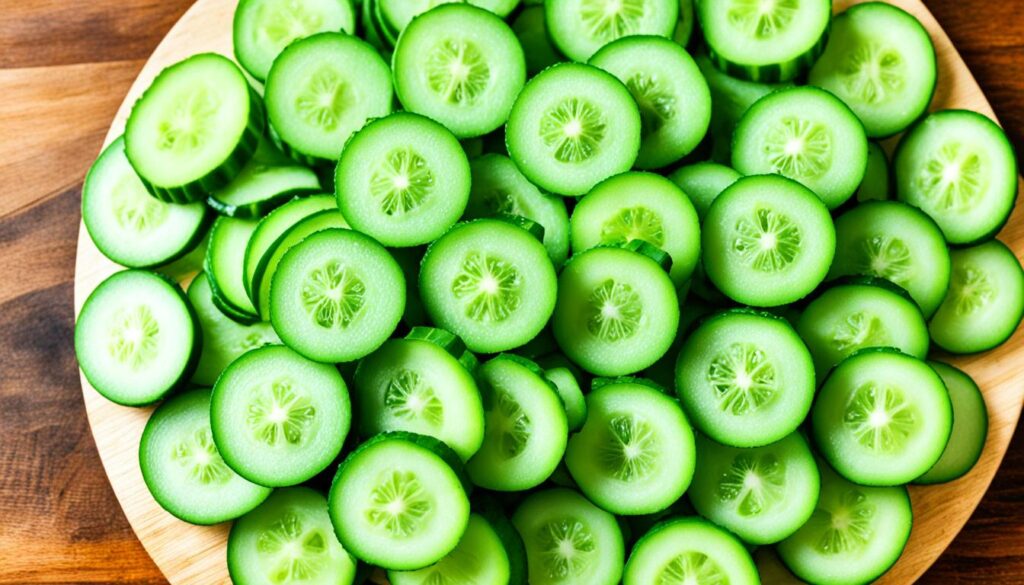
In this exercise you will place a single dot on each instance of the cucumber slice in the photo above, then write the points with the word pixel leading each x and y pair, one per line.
pixel 881 62
pixel 288 538
pixel 877 183
pixel 337 296
pixel 573 126
pixel 805 134
pixel 674 100
pixel 263 28
pixel 397 14
pixel 580 27
pixel 225 264
pixel 460 65
pixel 767 241
pixel 882 418
pixel 500 7
pixel 183 470
pixel 479 558
pixel 397 503
pixel 403 179
pixel 194 129
pixel 763 495
pixel 136 338
pixel 635 453
pixel 568 540
pixel 854 536
pixel 960 169
pixel 525 430
pixel 267 181
pixel 689 550
pixel 970 427
pixel 130 226
pixel 684 26
pixel 489 282
pixel 278 418
pixel 569 391
pixel 640 206
pixel 532 31
pixel 985 302
pixel 321 90
pixel 703 182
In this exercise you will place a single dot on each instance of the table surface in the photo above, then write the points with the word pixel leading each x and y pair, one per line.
pixel 64 69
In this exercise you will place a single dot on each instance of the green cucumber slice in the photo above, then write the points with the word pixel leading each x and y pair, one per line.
pixel 500 7
pixel 703 182
pixel 685 25
pixel 532 31
pixel 565 381
pixel 580 27
pixel 397 14
pixel 970 427
pixel 225 265
pixel 877 183
pixel 268 180
pixel 689 550
pixel 479 558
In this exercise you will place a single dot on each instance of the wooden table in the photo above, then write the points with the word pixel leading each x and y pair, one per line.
pixel 64 68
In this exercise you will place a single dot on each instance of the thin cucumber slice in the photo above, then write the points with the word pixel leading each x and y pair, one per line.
pixel 532 31
pixel 959 168
pixel 288 538
pixel 877 183
pixel 479 558
pixel 460 65
pixel 745 378
pixel 337 296
pixel 403 180
pixel 136 338
pixel 805 134
pixel 763 495
pixel 409 260
pixel 640 206
pixel 761 41
pixel 635 453
pixel 321 90
pixel 183 470
pixel 263 28
pixel 569 541
pixel 278 418
pixel 703 182
pixel 674 100
pixel 985 302
pixel 573 126
pixel 689 550
pixel 268 180
pixel 854 536
pixel 569 390
pixel 225 263
pixel 580 27
pixel 897 242
pixel 767 241
pixel 685 24
pixel 490 508
pixel 525 430
pixel 397 503
pixel 882 418
pixel 970 427
pixel 194 129
pixel 881 62
pixel 489 282
pixel 130 226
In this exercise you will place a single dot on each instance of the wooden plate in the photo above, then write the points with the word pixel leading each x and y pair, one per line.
pixel 193 554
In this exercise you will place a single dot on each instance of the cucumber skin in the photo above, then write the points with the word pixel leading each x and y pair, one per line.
pixel 775 73
pixel 258 209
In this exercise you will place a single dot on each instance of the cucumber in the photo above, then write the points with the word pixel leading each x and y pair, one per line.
pixel 395 15
pixel 689 550
pixel 137 338
pixel 502 8
pixel 225 265
pixel 877 182
pixel 970 427
pixel 560 372
pixel 479 558
pixel 703 182
pixel 531 29
pixel 267 181
pixel 685 24
pixel 580 27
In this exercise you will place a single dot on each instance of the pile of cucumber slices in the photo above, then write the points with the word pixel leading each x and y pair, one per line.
pixel 555 292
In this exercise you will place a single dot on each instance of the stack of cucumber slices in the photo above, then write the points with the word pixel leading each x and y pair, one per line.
pixel 563 292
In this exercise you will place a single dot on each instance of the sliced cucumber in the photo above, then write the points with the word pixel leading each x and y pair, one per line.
pixel 397 14
pixel 532 31
pixel 479 558
pixel 970 427
pixel 877 183
pixel 559 372
pixel 580 27
pixel 689 550
pixel 703 182
pixel 267 181
pixel 225 265
pixel 685 25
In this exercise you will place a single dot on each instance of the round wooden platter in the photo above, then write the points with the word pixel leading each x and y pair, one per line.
pixel 196 555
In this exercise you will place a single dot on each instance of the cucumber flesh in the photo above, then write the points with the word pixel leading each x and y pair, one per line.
pixel 580 27
pixel 970 427
pixel 703 182
pixel 479 558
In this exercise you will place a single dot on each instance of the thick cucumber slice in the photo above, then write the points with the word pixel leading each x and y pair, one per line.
pixel 489 282
pixel 560 373
pixel 580 27
pixel 532 31
pixel 479 558
pixel 640 206
pixel 289 538
pixel 897 242
pixel 745 379
pixel 960 169
pixel 403 180
pixel 263 28
pixel 225 265
pixel 498 187
pixel 136 338
pixel 183 470
pixel 805 134
pixel 860 314
pixel 882 418
pixel 970 427
pixel 881 62
pixel 525 430
pixel 877 183
pixel 278 418
pixel 764 41
pixel 460 65
pixel 569 541
pixel 762 495
pixel 397 503
pixel 635 453
pixel 689 550
pixel 130 226
pixel 674 100
pixel 573 126
pixel 337 296
pixel 703 182
pixel 985 302
pixel 767 241
pixel 268 180
pixel 194 129
pixel 854 536
pixel 321 90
